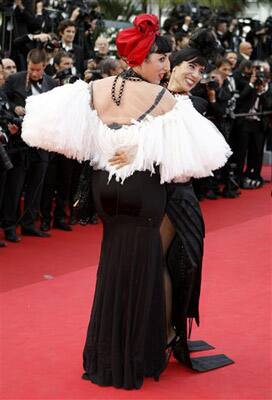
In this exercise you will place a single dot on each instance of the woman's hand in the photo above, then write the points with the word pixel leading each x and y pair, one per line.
pixel 120 159
pixel 123 156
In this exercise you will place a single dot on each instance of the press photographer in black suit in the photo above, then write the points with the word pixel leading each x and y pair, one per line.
pixel 59 175
pixel 30 164
pixel 7 128
pixel 249 139
pixel 24 22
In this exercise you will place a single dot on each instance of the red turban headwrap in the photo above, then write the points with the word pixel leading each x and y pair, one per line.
pixel 134 44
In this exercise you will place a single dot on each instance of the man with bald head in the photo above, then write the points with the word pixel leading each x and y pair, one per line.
pixel 9 67
pixel 245 51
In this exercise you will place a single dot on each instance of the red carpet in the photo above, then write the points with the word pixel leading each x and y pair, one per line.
pixel 47 288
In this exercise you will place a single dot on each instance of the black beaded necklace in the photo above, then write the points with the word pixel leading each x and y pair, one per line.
pixel 128 75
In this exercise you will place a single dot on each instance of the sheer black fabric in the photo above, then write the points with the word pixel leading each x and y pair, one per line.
pixel 184 259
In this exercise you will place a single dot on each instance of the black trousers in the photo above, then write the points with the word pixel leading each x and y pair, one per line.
pixel 57 185
pixel 28 172
pixel 60 183
pixel 249 142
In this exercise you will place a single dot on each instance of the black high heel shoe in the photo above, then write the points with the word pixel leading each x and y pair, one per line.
pixel 169 348
pixel 168 353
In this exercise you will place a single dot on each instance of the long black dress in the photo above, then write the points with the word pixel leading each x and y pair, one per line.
pixel 126 336
pixel 184 262
pixel 127 332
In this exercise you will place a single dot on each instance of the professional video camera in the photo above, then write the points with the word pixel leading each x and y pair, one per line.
pixel 66 76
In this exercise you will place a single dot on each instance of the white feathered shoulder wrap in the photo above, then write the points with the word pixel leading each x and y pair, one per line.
pixel 182 142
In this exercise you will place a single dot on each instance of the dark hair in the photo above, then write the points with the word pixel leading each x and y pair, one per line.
pixel 65 24
pixel 202 47
pixel 180 35
pixel 222 61
pixel 36 56
pixel 245 64
pixel 60 55
pixel 161 46
pixel 219 22
pixel 107 65
pixel 170 23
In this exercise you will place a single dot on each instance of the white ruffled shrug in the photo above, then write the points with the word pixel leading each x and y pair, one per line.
pixel 182 142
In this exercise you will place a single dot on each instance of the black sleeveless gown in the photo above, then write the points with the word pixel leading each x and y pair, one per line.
pixel 126 336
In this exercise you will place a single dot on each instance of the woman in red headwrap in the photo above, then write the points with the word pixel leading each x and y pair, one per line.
pixel 131 114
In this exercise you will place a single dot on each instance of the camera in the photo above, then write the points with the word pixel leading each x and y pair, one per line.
pixel 210 81
pixel 212 84
pixel 50 46
pixel 66 76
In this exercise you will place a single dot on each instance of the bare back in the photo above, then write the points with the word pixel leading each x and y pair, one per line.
pixel 136 100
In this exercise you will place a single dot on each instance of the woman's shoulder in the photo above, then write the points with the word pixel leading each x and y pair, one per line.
pixel 166 101
pixel 104 82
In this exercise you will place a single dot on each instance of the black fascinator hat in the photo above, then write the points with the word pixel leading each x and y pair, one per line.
pixel 202 48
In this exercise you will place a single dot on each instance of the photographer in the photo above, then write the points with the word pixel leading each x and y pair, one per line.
pixel 25 43
pixel 261 40
pixel 61 171
pixel 217 89
pixel 64 67
pixel 93 71
pixel 249 129
pixel 7 128
pixel 24 18
pixel 42 16
pixel 24 22
pixel 30 164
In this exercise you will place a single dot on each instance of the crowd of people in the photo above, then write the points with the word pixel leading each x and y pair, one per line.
pixel 236 90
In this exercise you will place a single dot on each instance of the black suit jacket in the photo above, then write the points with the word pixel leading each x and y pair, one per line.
pixel 78 55
pixel 240 58
pixel 16 92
